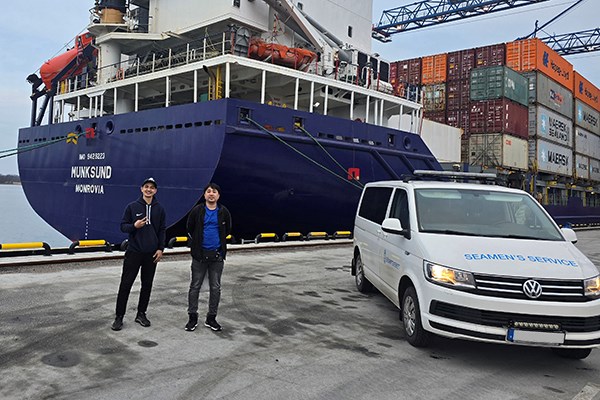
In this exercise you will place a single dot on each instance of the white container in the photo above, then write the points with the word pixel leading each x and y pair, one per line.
pixel 582 166
pixel 552 158
pixel 550 125
pixel 595 169
pixel 498 150
pixel 586 117
pixel 587 143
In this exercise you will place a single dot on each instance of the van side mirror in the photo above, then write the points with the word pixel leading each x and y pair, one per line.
pixel 569 234
pixel 393 225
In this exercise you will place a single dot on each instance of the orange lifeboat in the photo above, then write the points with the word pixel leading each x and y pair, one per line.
pixel 292 57
pixel 70 62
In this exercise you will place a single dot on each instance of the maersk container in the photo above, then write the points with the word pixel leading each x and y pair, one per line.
pixel 594 169
pixel 460 64
pixel 499 116
pixel 547 92
pixel 586 117
pixel 549 125
pixel 498 150
pixel 487 56
pixel 550 157
pixel 434 97
pixel 582 166
pixel 587 143
pixel 499 81
pixel 458 94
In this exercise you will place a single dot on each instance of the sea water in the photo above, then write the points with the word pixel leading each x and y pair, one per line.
pixel 19 223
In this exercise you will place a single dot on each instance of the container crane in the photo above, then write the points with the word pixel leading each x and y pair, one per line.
pixel 574 43
pixel 428 13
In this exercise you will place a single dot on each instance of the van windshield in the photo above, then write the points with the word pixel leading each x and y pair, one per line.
pixel 483 213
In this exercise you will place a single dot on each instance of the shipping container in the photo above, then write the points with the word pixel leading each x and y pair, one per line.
pixel 594 169
pixel 436 116
pixel 434 97
pixel 393 73
pixel 582 167
pixel 498 150
pixel 499 116
pixel 499 81
pixel 409 71
pixel 549 125
pixel 587 117
pixel 460 64
pixel 545 91
pixel 586 91
pixel 442 140
pixel 459 119
pixel 458 94
pixel 487 56
pixel 533 54
pixel 587 143
pixel 551 158
pixel 433 69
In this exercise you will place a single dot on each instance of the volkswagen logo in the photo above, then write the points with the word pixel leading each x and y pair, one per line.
pixel 532 289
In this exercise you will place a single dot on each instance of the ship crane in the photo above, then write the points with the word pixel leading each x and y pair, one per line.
pixel 427 13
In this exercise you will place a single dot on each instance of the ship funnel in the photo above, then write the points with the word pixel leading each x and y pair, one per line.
pixel 111 11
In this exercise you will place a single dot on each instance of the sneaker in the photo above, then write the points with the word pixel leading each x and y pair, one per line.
pixel 142 320
pixel 211 322
pixel 118 324
pixel 192 323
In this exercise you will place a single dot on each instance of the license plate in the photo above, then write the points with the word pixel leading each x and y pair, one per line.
pixel 534 337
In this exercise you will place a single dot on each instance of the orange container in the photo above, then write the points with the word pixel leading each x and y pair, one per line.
pixel 533 54
pixel 585 91
pixel 434 69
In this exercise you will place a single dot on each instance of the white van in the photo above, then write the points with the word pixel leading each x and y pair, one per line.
pixel 476 261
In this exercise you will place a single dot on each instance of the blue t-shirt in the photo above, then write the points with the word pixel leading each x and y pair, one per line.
pixel 211 230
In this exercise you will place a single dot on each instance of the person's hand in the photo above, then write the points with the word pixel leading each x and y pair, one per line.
pixel 157 256
pixel 140 222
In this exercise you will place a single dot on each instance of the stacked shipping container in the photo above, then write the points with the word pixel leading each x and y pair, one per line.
pixel 513 99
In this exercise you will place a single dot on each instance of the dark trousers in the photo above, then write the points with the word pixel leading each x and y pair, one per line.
pixel 131 266
pixel 199 271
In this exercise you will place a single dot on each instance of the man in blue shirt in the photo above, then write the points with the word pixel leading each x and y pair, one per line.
pixel 208 225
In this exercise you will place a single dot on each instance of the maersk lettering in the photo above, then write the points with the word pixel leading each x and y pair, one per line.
pixel 558 129
pixel 557 158
pixel 91 171
pixel 589 118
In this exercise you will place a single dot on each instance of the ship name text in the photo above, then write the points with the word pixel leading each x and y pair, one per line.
pixel 91 171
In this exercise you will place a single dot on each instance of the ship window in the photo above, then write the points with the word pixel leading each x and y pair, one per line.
pixel 178 126
pixel 110 127
pixel 152 128
pixel 123 131
pixel 298 123
pixel 349 31
pixel 188 125
pixel 198 123
pixel 339 137
pixel 392 140
pixel 145 129
pixel 329 136
pixel 138 129
pixel 169 126
pixel 160 128
pixel 130 130
pixel 206 123
pixel 217 122
pixel 245 114
pixel 356 140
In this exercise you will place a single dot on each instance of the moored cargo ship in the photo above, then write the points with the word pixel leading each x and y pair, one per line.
pixel 258 96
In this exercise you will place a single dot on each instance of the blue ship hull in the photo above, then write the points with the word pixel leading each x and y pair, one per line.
pixel 272 182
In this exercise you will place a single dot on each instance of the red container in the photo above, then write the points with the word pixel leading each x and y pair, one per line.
pixel 499 116
pixel 460 64
pixel 459 119
pixel 393 72
pixel 409 71
pixel 436 116
pixel 490 55
pixel 457 93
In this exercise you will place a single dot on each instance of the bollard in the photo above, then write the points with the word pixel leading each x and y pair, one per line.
pixel 177 239
pixel 342 235
pixel 90 243
pixel 266 236
pixel 27 245
pixel 291 236
pixel 317 235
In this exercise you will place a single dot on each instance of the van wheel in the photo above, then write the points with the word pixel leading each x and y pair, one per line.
pixel 574 354
pixel 411 319
pixel 362 283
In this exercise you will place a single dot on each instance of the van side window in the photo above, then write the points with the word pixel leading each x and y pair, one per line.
pixel 374 204
pixel 400 208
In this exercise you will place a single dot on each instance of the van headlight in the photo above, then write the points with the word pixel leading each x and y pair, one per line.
pixel 592 286
pixel 448 276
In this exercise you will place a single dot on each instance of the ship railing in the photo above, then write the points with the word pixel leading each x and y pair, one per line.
pixel 203 49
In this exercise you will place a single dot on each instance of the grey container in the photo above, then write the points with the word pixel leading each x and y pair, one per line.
pixel 547 92
pixel 549 125
pixel 586 117
pixel 550 157
pixel 499 81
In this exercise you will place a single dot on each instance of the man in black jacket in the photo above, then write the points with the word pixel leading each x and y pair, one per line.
pixel 145 222
pixel 208 225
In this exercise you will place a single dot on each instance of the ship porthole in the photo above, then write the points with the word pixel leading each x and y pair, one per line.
pixel 110 127
pixel 78 129
pixel 407 143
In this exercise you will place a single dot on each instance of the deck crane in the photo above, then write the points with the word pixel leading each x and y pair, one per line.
pixel 428 13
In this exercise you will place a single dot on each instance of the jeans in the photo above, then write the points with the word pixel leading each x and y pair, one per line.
pixel 199 270
pixel 131 266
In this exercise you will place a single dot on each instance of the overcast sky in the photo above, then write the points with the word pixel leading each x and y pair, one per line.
pixel 34 31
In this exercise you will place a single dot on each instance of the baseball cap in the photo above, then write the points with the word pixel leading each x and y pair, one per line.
pixel 150 180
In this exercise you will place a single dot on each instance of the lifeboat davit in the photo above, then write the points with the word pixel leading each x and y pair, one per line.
pixel 292 57
pixel 70 62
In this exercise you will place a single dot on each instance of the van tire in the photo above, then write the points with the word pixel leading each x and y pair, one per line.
pixel 362 283
pixel 574 354
pixel 411 319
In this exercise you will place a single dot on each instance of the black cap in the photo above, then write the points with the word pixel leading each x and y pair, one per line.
pixel 150 180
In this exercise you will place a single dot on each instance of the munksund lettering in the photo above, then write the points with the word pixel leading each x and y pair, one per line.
pixel 91 171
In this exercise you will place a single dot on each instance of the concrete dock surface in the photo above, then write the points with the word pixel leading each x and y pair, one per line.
pixel 294 327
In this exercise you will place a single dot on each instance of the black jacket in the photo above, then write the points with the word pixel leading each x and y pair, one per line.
pixel 150 237
pixel 195 228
